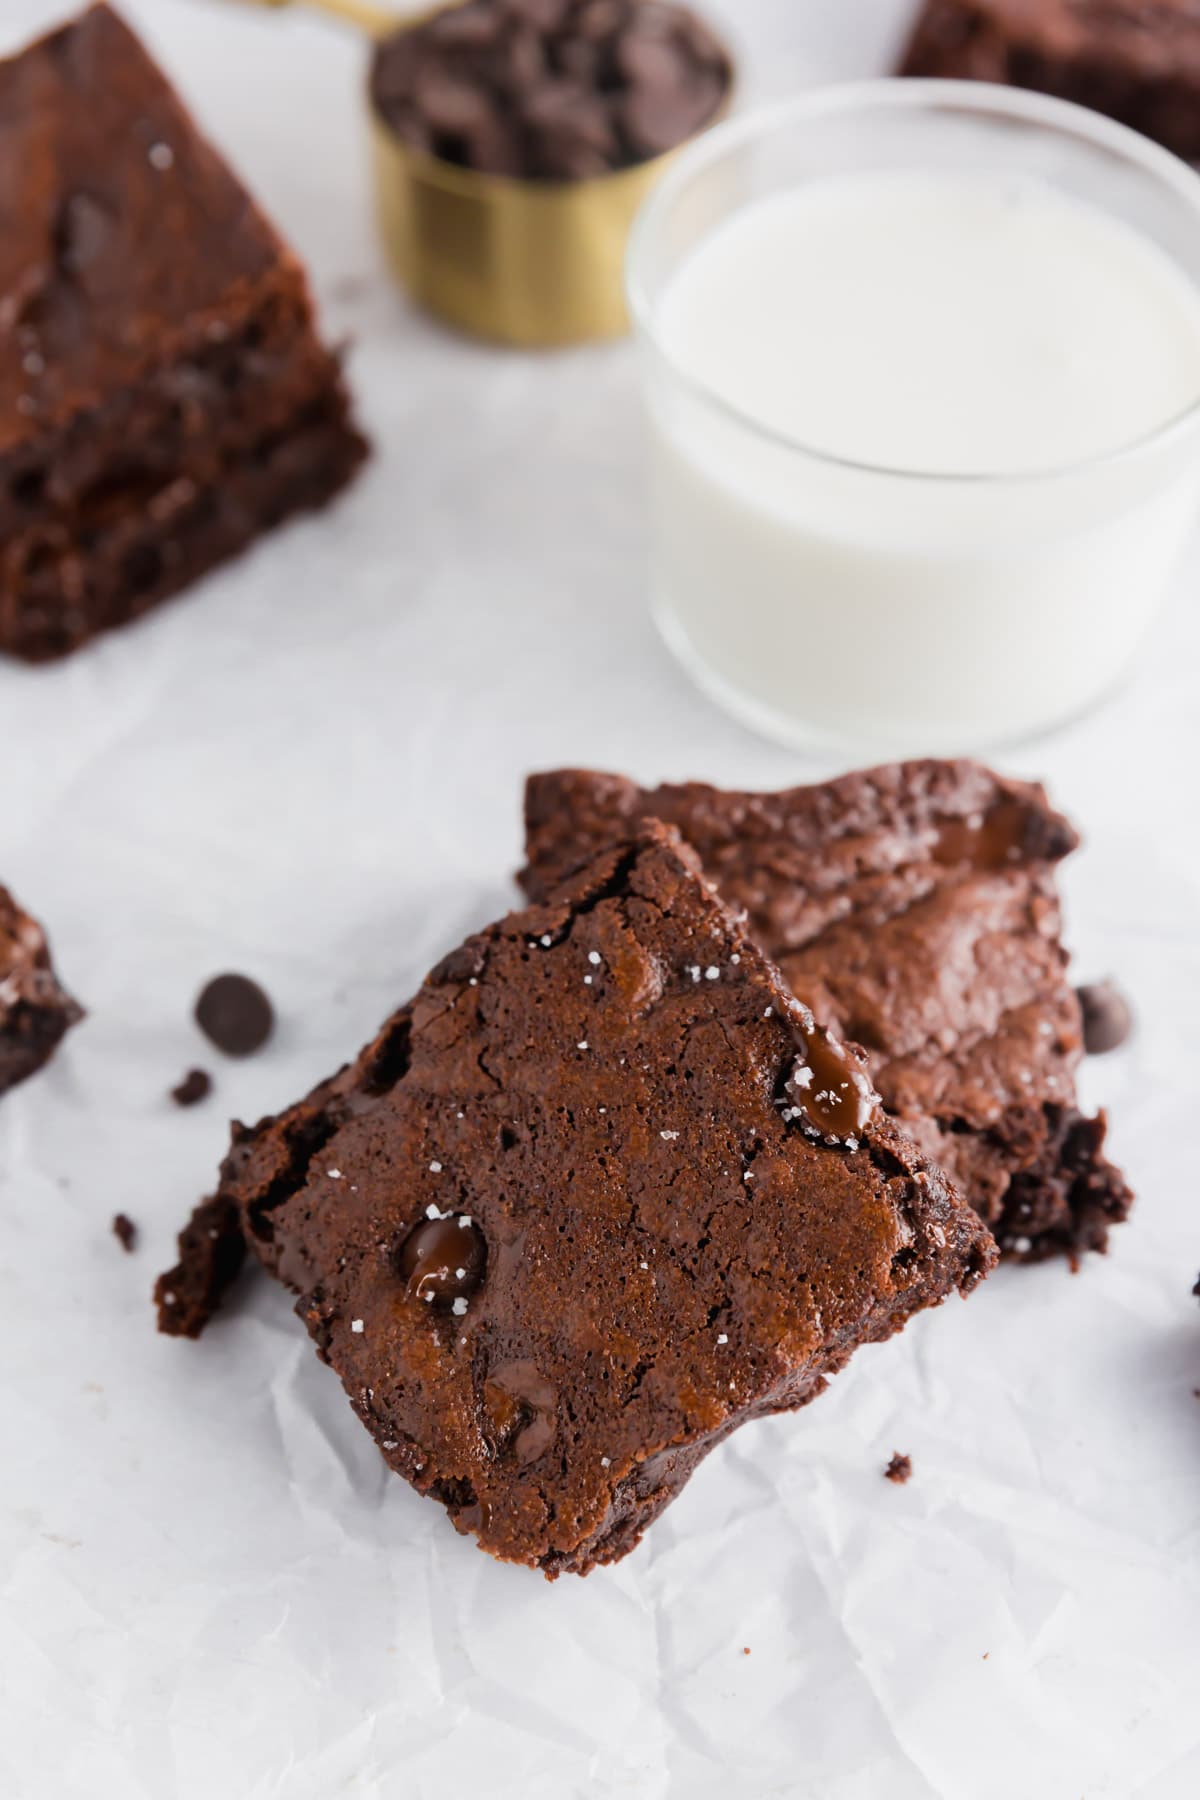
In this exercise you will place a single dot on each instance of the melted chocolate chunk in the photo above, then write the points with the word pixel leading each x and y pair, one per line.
pixel 829 1086
pixel 522 1406
pixel 1107 1020
pixel 993 840
pixel 443 1259
pixel 235 1014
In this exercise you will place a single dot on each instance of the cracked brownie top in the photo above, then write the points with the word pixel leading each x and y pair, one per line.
pixel 915 908
pixel 603 1193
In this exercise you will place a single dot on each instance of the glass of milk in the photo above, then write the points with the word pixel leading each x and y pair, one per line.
pixel 922 362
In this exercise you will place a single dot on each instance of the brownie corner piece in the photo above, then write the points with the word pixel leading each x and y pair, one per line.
pixel 36 1012
pixel 164 395
pixel 1136 60
pixel 603 1193
pixel 915 908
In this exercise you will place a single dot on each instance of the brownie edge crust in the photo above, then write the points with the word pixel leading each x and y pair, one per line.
pixel 602 1194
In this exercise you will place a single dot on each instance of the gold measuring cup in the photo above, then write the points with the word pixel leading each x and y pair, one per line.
pixel 530 263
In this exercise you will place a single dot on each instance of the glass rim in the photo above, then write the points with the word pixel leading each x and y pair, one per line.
pixel 891 94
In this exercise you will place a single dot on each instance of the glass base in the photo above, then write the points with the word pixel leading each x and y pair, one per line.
pixel 820 740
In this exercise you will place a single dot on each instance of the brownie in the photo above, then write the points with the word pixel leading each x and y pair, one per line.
pixel 35 1011
pixel 164 397
pixel 602 1193
pixel 915 908
pixel 1137 60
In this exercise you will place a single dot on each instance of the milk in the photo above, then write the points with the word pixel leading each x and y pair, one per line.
pixel 893 418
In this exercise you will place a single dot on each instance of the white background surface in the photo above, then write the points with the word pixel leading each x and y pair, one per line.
pixel 310 769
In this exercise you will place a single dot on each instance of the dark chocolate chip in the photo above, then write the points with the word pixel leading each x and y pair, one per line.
pixel 1107 1019
pixel 195 1086
pixel 235 1014
pixel 899 1469
pixel 125 1230
pixel 443 1260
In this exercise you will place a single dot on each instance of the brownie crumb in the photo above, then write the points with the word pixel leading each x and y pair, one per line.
pixel 1107 1019
pixel 125 1231
pixel 235 1014
pixel 899 1469
pixel 745 1650
pixel 195 1086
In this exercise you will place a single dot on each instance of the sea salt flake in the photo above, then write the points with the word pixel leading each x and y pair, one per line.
pixel 582 1045
pixel 160 156
pixel 546 940
pixel 712 973
pixel 587 981
pixel 668 1136
pixel 459 1307
pixel 724 1338
pixel 356 1325
pixel 435 1168
pixel 802 1075
pixel 606 1462
pixel 334 1174
pixel 594 958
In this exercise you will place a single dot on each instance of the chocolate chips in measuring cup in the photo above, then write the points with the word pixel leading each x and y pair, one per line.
pixel 552 90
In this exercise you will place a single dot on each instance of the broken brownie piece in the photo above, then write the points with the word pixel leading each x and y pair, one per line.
pixel 163 394
pixel 603 1193
pixel 1137 60
pixel 35 1011
pixel 913 907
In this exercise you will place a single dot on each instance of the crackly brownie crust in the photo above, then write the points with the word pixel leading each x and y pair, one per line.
pixel 164 397
pixel 36 1012
pixel 895 923
pixel 1137 60
pixel 596 1099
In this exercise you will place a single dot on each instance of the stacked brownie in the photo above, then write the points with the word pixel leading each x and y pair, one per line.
pixel 604 1192
pixel 914 908
pixel 35 1010
pixel 164 397
pixel 1137 60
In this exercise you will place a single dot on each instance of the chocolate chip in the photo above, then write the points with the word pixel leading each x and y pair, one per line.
pixel 1107 1019
pixel 125 1231
pixel 195 1086
pixel 235 1014
pixel 899 1469
pixel 549 89
pixel 443 1260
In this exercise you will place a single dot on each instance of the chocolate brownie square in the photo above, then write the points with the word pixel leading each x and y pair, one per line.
pixel 915 909
pixel 35 1011
pixel 164 397
pixel 604 1192
pixel 1137 60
